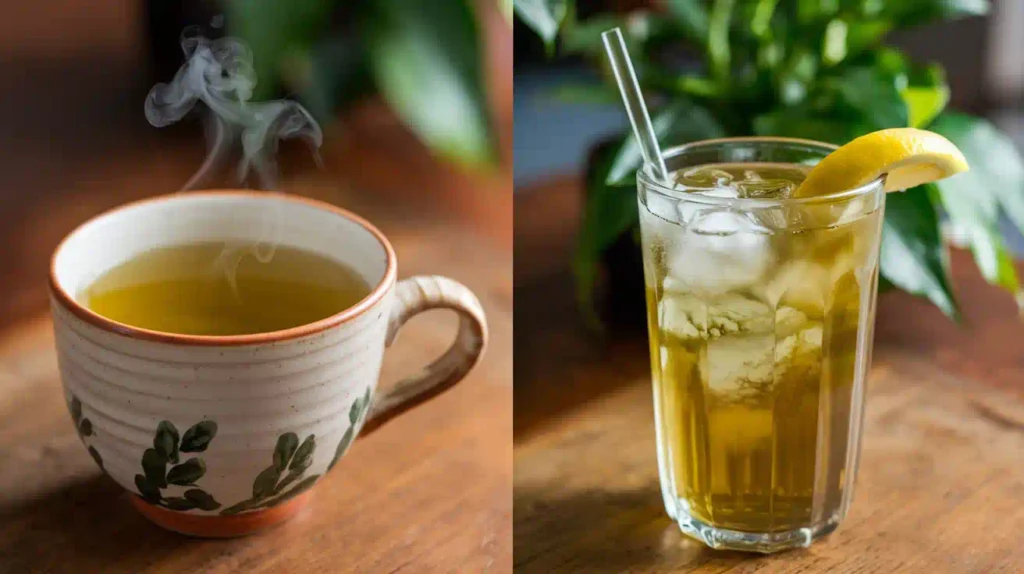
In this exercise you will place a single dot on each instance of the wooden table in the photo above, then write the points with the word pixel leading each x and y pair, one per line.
pixel 941 480
pixel 429 492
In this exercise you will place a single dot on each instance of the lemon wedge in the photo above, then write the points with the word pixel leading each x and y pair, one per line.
pixel 906 156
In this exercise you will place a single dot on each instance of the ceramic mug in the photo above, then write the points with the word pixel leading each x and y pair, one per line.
pixel 225 435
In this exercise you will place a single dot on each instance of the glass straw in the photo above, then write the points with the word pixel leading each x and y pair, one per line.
pixel 633 99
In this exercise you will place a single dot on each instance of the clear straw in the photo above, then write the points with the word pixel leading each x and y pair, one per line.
pixel 633 99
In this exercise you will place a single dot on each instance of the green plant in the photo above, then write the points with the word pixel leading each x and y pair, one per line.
pixel 816 69
pixel 425 62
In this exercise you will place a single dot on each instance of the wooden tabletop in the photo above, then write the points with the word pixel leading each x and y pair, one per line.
pixel 429 492
pixel 941 479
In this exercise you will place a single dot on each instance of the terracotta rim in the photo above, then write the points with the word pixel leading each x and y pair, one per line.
pixel 97 320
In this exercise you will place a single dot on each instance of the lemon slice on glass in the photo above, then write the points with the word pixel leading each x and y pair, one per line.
pixel 906 156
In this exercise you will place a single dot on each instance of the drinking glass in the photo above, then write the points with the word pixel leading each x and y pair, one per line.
pixel 760 312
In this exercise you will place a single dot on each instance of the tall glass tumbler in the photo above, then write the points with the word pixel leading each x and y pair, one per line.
pixel 760 311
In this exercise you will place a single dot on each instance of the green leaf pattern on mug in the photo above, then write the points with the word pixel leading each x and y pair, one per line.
pixel 265 483
pixel 304 455
pixel 83 427
pixel 268 489
pixel 166 441
pixel 356 417
pixel 286 445
pixel 198 437
pixel 156 476
pixel 187 473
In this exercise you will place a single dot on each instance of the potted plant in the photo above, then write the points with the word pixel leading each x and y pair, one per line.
pixel 815 70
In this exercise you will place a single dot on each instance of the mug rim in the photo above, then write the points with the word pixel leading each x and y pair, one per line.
pixel 376 293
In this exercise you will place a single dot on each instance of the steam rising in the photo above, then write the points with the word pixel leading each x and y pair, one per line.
pixel 220 74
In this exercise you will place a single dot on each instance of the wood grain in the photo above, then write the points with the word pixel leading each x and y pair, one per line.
pixel 393 503
pixel 942 476
pixel 939 487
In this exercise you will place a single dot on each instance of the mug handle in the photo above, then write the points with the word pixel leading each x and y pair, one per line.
pixel 413 296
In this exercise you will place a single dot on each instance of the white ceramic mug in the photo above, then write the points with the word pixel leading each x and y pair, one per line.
pixel 224 435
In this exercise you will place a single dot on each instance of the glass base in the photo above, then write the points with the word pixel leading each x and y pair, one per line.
pixel 765 543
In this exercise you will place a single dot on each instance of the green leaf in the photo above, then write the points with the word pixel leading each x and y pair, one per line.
pixel 198 437
pixel 154 465
pixel 974 199
pixel 925 103
pixel 187 473
pixel 265 482
pixel 339 74
pixel 834 46
pixel 76 409
pixel 147 490
pixel 166 440
pixel 761 18
pixel 795 79
pixel 610 211
pixel 346 440
pixel 248 504
pixel 798 123
pixel 997 168
pixel 809 11
pixel 95 454
pixel 179 503
pixel 680 122
pixel 544 17
pixel 692 17
pixel 277 32
pixel 913 257
pixel 427 65
pixel 286 445
pixel 298 489
pixel 85 428
pixel 201 499
pixel 718 50
pixel 355 410
pixel 862 35
pixel 289 478
pixel 304 455
pixel 874 96
pixel 926 95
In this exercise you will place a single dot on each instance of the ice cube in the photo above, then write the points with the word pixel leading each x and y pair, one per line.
pixel 751 362
pixel 739 363
pixel 765 188
pixel 704 176
pixel 724 250
pixel 688 210
pixel 663 207
pixel 686 316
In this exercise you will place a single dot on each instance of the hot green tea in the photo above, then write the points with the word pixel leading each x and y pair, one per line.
pixel 208 289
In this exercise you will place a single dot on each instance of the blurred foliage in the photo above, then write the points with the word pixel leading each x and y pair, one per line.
pixel 816 69
pixel 424 59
